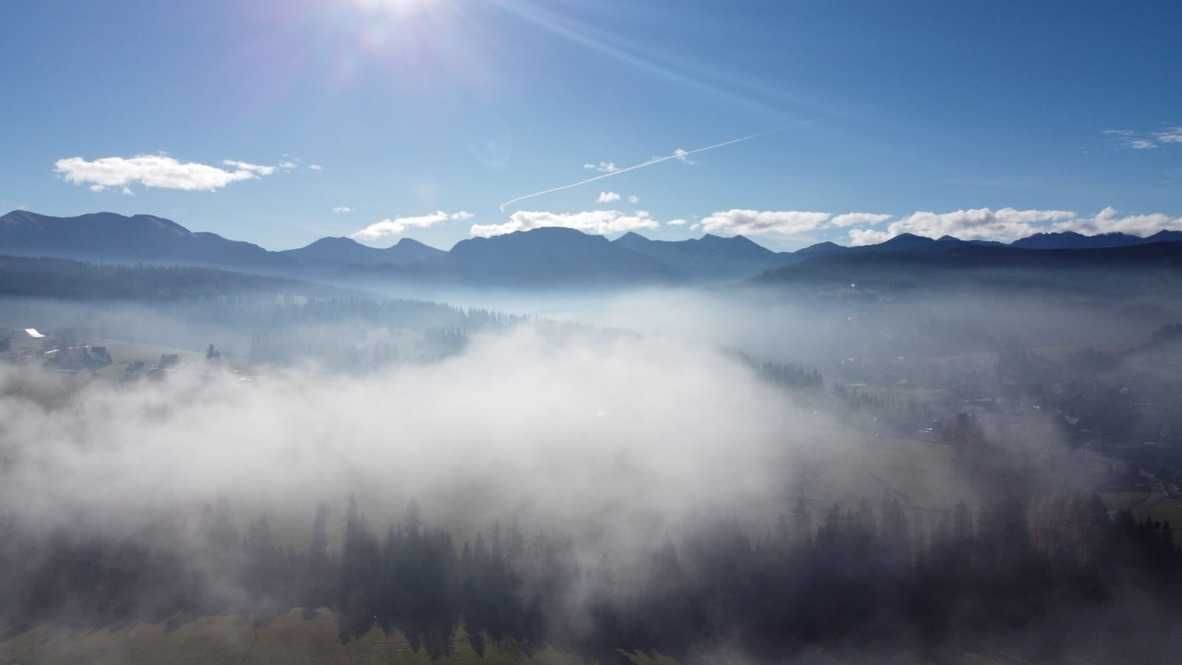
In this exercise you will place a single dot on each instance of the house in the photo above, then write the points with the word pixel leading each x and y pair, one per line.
pixel 22 342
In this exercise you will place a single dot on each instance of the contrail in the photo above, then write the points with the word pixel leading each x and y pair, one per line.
pixel 676 154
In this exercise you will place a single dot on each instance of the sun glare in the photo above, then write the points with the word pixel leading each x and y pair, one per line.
pixel 394 7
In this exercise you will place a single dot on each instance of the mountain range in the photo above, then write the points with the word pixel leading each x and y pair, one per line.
pixel 346 251
pixel 545 256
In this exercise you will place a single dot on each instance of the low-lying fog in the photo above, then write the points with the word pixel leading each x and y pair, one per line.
pixel 624 422
pixel 619 434
pixel 634 406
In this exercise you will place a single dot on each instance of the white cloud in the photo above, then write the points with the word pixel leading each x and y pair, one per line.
pixel 607 197
pixel 1131 139
pixel 759 222
pixel 860 237
pixel 1009 224
pixel 676 222
pixel 598 222
pixel 1169 135
pixel 342 210
pixel 315 167
pixel 1109 220
pixel 633 199
pixel 858 219
pixel 247 166
pixel 682 154
pixel 602 167
pixel 1006 224
pixel 396 226
pixel 160 171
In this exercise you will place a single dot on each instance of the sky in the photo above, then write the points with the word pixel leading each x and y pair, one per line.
pixel 279 122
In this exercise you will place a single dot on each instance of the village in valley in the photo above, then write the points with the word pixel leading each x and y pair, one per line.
pixel 66 354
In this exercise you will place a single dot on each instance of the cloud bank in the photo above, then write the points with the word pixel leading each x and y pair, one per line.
pixel 1109 220
pixel 739 221
pixel 1010 224
pixel 760 222
pixel 599 222
pixel 396 226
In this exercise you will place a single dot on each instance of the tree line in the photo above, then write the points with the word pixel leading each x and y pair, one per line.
pixel 1029 572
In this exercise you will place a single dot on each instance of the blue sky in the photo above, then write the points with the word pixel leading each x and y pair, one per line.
pixel 423 116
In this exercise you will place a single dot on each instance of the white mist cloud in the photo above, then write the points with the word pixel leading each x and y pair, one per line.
pixel 156 171
pixel 1109 220
pixel 396 226
pixel 1005 224
pixel 1010 224
pixel 760 222
pixel 607 197
pixel 859 237
pixel 599 222
pixel 342 210
pixel 859 219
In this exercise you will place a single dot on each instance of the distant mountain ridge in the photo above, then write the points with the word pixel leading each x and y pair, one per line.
pixel 111 237
pixel 1073 240
pixel 540 257
pixel 553 254
pixel 708 257
pixel 922 263
pixel 330 250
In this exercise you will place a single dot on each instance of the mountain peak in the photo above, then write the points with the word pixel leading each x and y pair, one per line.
pixel 821 248
pixel 336 249
pixel 333 241
pixel 906 241
pixel 739 244
pixel 409 242
pixel 632 236
pixel 712 237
